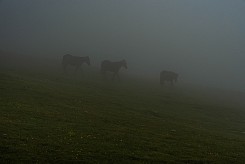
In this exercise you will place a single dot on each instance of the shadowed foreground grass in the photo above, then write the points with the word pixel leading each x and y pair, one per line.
pixel 53 118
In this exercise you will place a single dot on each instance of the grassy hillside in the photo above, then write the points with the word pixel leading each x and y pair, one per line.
pixel 55 118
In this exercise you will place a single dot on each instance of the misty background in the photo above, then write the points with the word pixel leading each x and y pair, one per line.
pixel 201 40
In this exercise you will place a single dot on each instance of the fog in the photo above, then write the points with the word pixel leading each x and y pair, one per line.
pixel 201 40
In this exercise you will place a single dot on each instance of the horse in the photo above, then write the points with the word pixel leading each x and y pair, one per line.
pixel 114 67
pixel 168 76
pixel 76 61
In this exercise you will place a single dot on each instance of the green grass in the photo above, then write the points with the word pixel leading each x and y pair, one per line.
pixel 55 118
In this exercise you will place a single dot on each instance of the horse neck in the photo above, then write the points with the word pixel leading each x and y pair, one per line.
pixel 123 64
pixel 120 64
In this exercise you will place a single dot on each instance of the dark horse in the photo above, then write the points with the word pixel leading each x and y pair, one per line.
pixel 114 67
pixel 168 76
pixel 74 61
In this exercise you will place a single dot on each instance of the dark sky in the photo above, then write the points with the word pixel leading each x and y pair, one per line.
pixel 203 40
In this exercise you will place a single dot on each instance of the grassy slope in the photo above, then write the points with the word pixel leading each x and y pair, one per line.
pixel 54 118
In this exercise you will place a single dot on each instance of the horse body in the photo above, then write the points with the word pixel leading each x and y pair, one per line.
pixel 114 67
pixel 76 61
pixel 168 76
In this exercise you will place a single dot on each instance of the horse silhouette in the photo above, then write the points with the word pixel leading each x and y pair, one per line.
pixel 75 61
pixel 168 76
pixel 114 67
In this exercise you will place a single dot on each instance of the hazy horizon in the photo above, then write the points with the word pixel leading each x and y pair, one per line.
pixel 201 40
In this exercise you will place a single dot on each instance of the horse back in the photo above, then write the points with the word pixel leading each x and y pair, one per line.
pixel 72 60
pixel 168 75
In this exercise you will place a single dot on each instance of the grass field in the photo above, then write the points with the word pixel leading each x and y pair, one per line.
pixel 48 118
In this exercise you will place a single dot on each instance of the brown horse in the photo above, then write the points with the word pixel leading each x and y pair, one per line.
pixel 114 67
pixel 168 76
pixel 76 61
